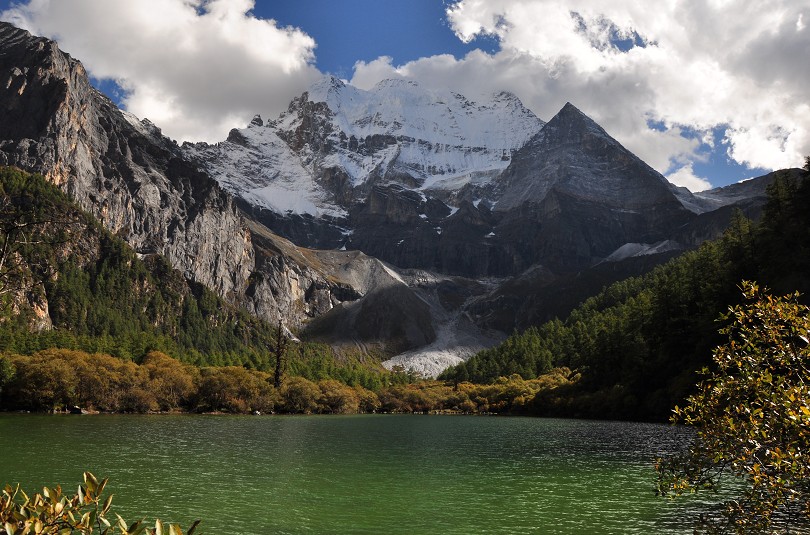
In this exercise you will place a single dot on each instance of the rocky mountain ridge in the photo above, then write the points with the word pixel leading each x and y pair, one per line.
pixel 439 215
pixel 139 185
pixel 432 180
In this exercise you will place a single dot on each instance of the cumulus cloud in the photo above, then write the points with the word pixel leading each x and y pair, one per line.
pixel 662 81
pixel 196 68
pixel 646 75
pixel 685 176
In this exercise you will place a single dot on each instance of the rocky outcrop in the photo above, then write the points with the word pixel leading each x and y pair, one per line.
pixel 139 185
pixel 122 171
pixel 392 172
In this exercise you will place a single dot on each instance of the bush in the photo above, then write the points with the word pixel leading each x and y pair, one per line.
pixel 235 389
pixel 85 513
pixel 752 415
pixel 337 398
pixel 170 381
pixel 300 396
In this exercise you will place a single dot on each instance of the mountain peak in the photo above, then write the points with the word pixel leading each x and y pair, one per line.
pixel 506 96
pixel 30 65
pixel 571 116
pixel 10 33
pixel 389 83
pixel 324 87
pixel 574 155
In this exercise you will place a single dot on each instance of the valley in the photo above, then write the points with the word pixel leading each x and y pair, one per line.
pixel 414 225
pixel 386 245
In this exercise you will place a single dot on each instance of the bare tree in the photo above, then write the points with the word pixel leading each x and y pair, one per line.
pixel 281 348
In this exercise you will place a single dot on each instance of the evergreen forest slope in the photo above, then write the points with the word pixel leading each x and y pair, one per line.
pixel 67 282
pixel 636 346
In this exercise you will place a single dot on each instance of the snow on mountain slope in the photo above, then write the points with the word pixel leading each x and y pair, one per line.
pixel 405 109
pixel 258 166
pixel 336 139
pixel 630 250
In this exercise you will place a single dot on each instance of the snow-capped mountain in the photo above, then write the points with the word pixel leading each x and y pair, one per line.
pixel 510 220
pixel 486 198
pixel 336 141
pixel 430 179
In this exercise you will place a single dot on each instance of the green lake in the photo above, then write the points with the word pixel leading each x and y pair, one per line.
pixel 376 474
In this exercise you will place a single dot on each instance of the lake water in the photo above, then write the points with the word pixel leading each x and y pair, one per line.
pixel 391 474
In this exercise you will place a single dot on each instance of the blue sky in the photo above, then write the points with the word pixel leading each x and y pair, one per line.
pixel 708 93
pixel 348 31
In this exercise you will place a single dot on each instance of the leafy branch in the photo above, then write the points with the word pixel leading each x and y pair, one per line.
pixel 752 415
pixel 86 512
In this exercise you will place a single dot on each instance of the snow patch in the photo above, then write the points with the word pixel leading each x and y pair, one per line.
pixel 630 250
pixel 394 275
pixel 457 340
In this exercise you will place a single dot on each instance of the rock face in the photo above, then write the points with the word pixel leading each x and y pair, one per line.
pixel 473 218
pixel 141 187
pixel 435 181
pixel 123 171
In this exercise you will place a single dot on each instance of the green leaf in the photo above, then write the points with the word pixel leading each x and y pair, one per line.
pixel 91 482
pixel 107 504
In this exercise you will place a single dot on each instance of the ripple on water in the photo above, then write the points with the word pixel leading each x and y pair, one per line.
pixel 363 474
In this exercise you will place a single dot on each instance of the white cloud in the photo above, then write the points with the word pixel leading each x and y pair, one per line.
pixel 703 64
pixel 196 68
pixel 199 67
pixel 685 176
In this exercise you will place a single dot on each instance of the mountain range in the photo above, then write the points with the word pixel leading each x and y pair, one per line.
pixel 416 222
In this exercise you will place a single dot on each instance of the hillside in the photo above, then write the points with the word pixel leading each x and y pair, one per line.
pixel 636 346
pixel 67 282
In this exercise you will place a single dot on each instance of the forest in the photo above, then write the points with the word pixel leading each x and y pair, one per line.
pixel 638 344
pixel 66 282
pixel 87 322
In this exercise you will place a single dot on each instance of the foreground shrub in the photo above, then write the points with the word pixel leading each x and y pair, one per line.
pixel 752 415
pixel 85 512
